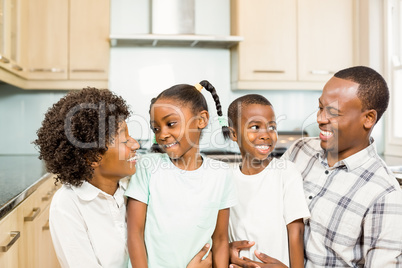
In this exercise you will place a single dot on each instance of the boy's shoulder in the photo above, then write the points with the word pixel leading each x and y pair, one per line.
pixel 215 164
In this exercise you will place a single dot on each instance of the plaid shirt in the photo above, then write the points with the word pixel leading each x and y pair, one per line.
pixel 356 208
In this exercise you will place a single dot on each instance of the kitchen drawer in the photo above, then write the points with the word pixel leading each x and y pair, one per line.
pixel 10 240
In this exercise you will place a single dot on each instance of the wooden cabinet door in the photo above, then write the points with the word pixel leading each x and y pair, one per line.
pixel 325 38
pixel 89 39
pixel 45 33
pixel 10 36
pixel 10 240
pixel 268 51
pixel 46 257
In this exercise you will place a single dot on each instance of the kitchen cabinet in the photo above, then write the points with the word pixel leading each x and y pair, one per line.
pixel 9 38
pixel 30 220
pixel 44 54
pixel 62 44
pixel 10 240
pixel 291 44
pixel 89 39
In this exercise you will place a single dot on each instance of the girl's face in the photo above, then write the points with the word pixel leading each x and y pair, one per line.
pixel 177 129
pixel 119 159
pixel 256 133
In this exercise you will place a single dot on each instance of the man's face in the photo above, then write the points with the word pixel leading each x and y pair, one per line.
pixel 341 119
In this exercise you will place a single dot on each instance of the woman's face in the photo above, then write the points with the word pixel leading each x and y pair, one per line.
pixel 120 158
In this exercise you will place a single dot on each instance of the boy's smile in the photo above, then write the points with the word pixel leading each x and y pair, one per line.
pixel 256 132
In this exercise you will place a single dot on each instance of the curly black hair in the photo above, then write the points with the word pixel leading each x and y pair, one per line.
pixel 242 102
pixel 372 91
pixel 76 131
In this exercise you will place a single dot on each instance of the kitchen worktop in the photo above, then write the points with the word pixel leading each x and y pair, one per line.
pixel 20 175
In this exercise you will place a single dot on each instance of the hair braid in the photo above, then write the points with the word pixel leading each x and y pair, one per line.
pixel 212 90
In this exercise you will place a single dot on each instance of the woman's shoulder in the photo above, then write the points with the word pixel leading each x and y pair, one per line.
pixel 64 197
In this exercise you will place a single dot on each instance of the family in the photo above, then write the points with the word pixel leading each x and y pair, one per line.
pixel 329 201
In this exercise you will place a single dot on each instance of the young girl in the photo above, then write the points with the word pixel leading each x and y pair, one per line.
pixel 179 200
pixel 271 204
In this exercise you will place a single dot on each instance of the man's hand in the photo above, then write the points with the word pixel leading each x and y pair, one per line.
pixel 235 248
pixel 198 262
pixel 267 262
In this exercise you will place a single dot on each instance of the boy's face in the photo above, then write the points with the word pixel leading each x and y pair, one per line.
pixel 177 129
pixel 256 132
pixel 341 119
pixel 119 159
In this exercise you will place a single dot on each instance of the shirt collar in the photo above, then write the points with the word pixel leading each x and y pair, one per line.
pixel 354 161
pixel 88 192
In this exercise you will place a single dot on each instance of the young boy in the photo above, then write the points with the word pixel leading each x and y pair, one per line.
pixel 271 204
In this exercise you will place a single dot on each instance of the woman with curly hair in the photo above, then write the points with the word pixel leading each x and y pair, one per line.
pixel 84 140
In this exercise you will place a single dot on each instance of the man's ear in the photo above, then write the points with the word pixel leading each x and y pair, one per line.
pixel 233 134
pixel 370 118
pixel 203 119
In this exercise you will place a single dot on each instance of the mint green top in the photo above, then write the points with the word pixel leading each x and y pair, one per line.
pixel 182 206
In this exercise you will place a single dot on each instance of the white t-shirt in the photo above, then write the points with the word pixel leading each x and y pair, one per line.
pixel 88 227
pixel 268 201
pixel 182 206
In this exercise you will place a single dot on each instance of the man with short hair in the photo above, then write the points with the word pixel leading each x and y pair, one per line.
pixel 354 199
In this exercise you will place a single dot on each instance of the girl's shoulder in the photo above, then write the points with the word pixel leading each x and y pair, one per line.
pixel 210 163
pixel 152 159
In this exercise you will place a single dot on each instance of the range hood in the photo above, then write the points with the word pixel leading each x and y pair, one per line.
pixel 173 25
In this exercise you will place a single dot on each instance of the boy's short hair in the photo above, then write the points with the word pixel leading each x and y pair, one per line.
pixel 76 132
pixel 241 102
pixel 372 91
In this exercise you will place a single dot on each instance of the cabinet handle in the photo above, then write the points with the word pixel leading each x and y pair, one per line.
pixel 270 71
pixel 87 70
pixel 47 196
pixel 46 226
pixel 46 70
pixel 321 72
pixel 4 59
pixel 17 68
pixel 15 235
pixel 35 214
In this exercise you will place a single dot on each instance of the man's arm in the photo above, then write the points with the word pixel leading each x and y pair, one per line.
pixel 383 233
pixel 267 262
pixel 296 244
pixel 220 238
pixel 198 262
pixel 234 249
pixel 136 214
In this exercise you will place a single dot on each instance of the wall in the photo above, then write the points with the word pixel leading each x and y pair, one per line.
pixel 21 114
pixel 139 73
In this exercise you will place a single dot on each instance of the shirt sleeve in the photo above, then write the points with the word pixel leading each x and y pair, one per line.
pixel 69 235
pixel 383 233
pixel 229 197
pixel 138 187
pixel 295 206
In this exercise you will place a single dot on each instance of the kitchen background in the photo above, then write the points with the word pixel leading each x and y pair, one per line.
pixel 140 73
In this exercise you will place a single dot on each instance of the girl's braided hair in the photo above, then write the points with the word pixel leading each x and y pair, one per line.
pixel 188 94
